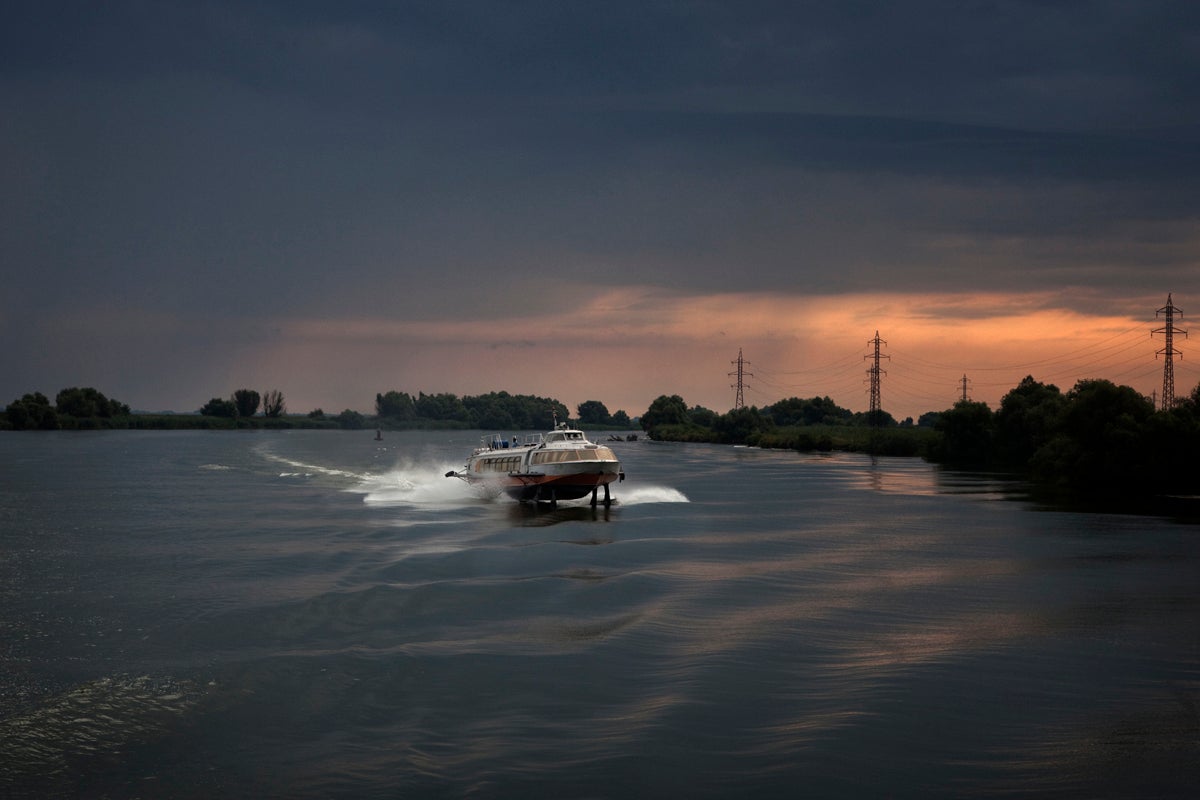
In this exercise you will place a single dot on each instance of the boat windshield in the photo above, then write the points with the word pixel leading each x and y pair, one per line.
pixel 496 441
pixel 566 436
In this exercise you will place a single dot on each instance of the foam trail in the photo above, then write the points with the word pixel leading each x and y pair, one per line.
pixel 650 494
pixel 312 469
pixel 414 484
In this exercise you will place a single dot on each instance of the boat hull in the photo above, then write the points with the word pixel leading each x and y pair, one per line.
pixel 550 488
pixel 547 488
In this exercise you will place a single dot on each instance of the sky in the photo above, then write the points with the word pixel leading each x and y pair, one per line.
pixel 596 201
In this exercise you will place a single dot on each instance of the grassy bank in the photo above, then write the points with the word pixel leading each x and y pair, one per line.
pixel 909 441
pixel 201 422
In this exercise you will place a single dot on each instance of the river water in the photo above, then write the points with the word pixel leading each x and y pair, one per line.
pixel 318 614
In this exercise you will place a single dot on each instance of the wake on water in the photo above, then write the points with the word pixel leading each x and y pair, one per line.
pixel 650 494
pixel 411 483
pixel 425 484
pixel 416 483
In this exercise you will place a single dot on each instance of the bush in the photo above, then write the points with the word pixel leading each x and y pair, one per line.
pixel 32 412
pixel 350 420
pixel 217 407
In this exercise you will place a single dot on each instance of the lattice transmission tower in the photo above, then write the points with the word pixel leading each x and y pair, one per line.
pixel 739 399
pixel 1168 352
pixel 965 380
pixel 873 376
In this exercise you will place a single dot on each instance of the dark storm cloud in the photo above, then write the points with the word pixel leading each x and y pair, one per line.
pixel 1090 63
pixel 263 157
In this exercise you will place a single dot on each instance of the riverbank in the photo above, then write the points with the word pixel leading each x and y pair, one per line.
pixel 347 420
pixel 895 441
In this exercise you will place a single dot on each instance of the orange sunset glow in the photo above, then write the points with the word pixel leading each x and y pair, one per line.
pixel 625 347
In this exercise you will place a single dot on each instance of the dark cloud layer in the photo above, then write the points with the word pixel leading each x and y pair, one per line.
pixel 1027 64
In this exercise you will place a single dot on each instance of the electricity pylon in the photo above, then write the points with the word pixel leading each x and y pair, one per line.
pixel 1169 352
pixel 873 375
pixel 965 380
pixel 739 400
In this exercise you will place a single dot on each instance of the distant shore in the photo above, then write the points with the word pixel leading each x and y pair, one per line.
pixel 189 421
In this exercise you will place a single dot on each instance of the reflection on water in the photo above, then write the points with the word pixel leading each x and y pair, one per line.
pixel 540 515
pixel 314 615
pixel 93 722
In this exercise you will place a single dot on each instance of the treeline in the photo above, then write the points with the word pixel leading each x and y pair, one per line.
pixel 245 403
pixel 492 411
pixel 89 409
pixel 816 423
pixel 73 408
pixel 1098 439
pixel 76 409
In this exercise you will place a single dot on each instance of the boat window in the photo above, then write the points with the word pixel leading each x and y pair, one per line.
pixel 510 464
pixel 554 456
pixel 559 456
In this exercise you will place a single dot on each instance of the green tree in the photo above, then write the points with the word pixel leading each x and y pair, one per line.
pixel 813 411
pixel 1100 446
pixel 704 417
pixel 77 402
pixel 619 417
pixel 741 424
pixel 444 407
pixel 246 401
pixel 1174 438
pixel 593 412
pixel 875 419
pixel 929 419
pixel 665 410
pixel 88 403
pixel 32 412
pixel 273 403
pixel 541 412
pixel 1027 419
pixel 967 434
pixel 395 405
pixel 497 410
pixel 350 420
pixel 217 407
pixel 494 411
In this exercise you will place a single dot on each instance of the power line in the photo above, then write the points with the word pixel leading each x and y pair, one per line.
pixel 840 360
pixel 1064 358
